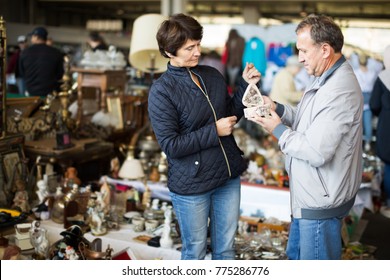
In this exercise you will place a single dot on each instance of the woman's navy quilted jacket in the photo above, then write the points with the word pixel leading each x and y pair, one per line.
pixel 183 118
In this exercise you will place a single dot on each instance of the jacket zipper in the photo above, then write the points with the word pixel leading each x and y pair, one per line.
pixel 215 115
pixel 323 183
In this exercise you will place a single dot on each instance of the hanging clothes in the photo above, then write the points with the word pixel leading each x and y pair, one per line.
pixel 255 53
pixel 278 53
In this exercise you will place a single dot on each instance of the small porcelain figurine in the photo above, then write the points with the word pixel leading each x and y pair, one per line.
pixel 155 204
pixel 147 195
pixel 39 240
pixel 166 239
pixel 42 192
pixel 115 166
pixel 21 196
pixel 96 216
pixel 105 191
pixel 70 253
pixel 71 177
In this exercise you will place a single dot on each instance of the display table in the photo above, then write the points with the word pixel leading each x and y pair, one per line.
pixel 118 240
pixel 84 152
pixel 256 200
pixel 102 80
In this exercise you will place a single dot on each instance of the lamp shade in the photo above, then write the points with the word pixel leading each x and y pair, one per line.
pixel 144 53
pixel 131 168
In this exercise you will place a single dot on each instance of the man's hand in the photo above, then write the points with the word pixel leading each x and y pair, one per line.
pixel 268 123
pixel 225 125
pixel 268 100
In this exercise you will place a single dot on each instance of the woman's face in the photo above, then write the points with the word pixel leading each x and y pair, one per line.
pixel 188 55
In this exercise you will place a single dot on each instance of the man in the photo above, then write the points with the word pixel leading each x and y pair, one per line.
pixel 322 142
pixel 41 65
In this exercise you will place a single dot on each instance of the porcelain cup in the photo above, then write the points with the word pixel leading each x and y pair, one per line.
pixel 139 223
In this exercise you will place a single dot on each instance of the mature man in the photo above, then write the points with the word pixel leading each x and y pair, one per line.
pixel 41 65
pixel 322 141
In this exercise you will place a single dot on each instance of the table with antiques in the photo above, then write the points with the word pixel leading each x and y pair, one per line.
pixel 83 152
pixel 256 200
pixel 119 240
pixel 101 79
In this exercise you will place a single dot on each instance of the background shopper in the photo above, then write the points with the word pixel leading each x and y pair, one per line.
pixel 380 106
pixel 41 65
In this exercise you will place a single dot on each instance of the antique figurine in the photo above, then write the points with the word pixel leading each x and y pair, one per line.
pixel 42 192
pixel 166 239
pixel 39 240
pixel 115 166
pixel 71 177
pixel 20 200
pixel 105 191
pixel 96 216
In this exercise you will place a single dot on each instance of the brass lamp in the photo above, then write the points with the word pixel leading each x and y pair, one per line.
pixel 131 168
pixel 144 53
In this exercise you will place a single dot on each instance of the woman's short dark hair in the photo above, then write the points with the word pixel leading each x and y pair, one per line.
pixel 175 31
pixel 323 30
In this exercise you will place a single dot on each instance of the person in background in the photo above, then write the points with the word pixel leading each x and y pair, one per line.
pixel 234 48
pixel 380 106
pixel 193 115
pixel 49 41
pixel 97 42
pixel 41 66
pixel 13 64
pixel 213 59
pixel 283 87
pixel 321 139
pixel 366 78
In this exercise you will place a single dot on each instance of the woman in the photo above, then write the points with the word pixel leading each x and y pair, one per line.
pixel 193 117
pixel 380 106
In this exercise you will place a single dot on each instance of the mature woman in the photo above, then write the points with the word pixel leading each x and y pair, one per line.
pixel 193 117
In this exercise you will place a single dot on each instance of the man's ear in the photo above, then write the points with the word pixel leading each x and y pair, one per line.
pixel 326 50
pixel 168 54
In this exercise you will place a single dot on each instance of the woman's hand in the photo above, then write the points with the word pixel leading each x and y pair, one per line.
pixel 225 125
pixel 250 74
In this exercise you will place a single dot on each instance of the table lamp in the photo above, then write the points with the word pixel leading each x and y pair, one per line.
pixel 132 168
pixel 144 52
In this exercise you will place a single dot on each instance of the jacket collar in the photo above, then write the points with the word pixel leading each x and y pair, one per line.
pixel 317 82
pixel 181 71
pixel 322 79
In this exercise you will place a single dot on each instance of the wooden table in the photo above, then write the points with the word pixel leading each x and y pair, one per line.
pixel 82 155
pixel 102 80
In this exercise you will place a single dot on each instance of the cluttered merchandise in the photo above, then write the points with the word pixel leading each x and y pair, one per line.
pixel 83 177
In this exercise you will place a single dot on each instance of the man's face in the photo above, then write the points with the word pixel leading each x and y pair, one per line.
pixel 310 54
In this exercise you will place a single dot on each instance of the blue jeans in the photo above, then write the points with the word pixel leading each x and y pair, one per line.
pixel 222 207
pixel 314 239
pixel 367 125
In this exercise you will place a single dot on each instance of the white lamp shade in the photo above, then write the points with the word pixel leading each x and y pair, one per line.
pixel 131 169
pixel 143 45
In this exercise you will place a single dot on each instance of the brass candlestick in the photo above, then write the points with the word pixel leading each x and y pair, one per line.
pixel 3 84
